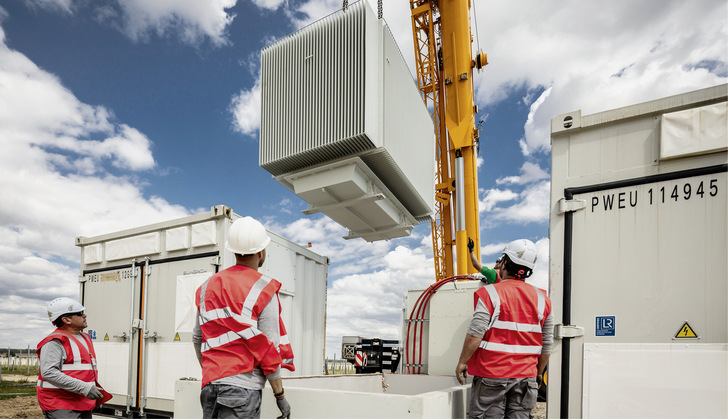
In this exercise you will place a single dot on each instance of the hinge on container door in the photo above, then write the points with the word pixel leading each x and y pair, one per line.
pixel 570 205
pixel 215 261
pixel 567 331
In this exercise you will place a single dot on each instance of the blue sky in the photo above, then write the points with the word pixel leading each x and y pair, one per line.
pixel 115 114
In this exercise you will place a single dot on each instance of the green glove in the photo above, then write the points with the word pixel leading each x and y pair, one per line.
pixel 471 244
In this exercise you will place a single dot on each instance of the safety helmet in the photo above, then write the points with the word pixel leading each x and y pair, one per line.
pixel 247 236
pixel 61 306
pixel 521 252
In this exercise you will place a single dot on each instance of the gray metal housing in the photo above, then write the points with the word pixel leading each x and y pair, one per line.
pixel 338 95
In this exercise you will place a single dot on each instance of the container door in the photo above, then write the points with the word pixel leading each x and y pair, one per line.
pixel 110 297
pixel 649 259
pixel 169 316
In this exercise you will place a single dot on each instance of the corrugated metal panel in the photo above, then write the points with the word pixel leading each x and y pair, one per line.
pixel 313 104
pixel 340 89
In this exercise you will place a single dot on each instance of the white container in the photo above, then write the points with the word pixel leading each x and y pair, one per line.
pixel 141 282
pixel 441 333
pixel 638 271
pixel 353 396
pixel 344 127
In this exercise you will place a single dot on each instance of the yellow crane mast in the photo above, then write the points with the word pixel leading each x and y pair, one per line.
pixel 444 66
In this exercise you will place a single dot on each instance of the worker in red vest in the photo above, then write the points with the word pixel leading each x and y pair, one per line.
pixel 239 336
pixel 68 379
pixel 509 340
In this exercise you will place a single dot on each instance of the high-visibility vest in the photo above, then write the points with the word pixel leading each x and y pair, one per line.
pixel 512 344
pixel 80 363
pixel 228 306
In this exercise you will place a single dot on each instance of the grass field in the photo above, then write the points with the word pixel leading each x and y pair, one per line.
pixel 12 389
pixel 20 371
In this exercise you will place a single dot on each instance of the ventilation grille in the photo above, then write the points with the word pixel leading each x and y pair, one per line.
pixel 312 99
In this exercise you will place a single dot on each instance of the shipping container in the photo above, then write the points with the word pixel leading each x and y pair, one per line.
pixel 138 289
pixel 638 260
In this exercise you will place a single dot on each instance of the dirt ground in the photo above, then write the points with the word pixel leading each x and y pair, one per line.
pixel 539 412
pixel 21 406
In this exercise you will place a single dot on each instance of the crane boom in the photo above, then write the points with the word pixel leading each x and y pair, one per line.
pixel 442 38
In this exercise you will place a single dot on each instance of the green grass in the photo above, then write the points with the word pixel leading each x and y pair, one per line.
pixel 20 371
pixel 12 389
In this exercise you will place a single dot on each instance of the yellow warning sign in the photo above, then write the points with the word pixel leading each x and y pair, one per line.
pixel 106 337
pixel 176 337
pixel 686 332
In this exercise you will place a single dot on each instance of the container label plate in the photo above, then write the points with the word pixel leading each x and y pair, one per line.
pixel 605 326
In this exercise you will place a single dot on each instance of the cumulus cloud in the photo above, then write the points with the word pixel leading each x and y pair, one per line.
pixel 594 57
pixel 492 197
pixel 56 184
pixel 245 107
pixel 370 304
pixel 65 6
pixel 191 21
pixel 529 172
pixel 532 206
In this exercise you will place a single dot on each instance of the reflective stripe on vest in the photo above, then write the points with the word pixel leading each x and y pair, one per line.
pixel 80 363
pixel 246 316
pixel 496 323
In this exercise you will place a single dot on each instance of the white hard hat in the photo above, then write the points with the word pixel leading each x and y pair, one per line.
pixel 521 252
pixel 247 236
pixel 61 306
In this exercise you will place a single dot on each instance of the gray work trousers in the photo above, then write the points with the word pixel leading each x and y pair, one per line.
pixel 225 401
pixel 67 414
pixel 502 397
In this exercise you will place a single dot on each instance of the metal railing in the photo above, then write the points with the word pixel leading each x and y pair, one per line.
pixel 338 367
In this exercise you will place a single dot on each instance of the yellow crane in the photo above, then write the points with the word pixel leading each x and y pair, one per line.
pixel 444 66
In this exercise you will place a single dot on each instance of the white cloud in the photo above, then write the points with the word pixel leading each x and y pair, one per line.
pixel 245 107
pixel 370 304
pixel 493 249
pixel 55 186
pixel 493 197
pixel 596 57
pixel 532 130
pixel 191 21
pixel 268 4
pixel 540 276
pixel 529 172
pixel 531 206
pixel 65 6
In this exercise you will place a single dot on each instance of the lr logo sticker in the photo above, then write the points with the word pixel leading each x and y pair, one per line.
pixel 606 326
pixel 686 332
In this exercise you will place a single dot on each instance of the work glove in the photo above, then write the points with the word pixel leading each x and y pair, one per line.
pixel 471 244
pixel 283 406
pixel 93 392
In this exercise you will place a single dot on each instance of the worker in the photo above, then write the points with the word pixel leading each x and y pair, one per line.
pixel 68 379
pixel 239 337
pixel 509 340
pixel 491 276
